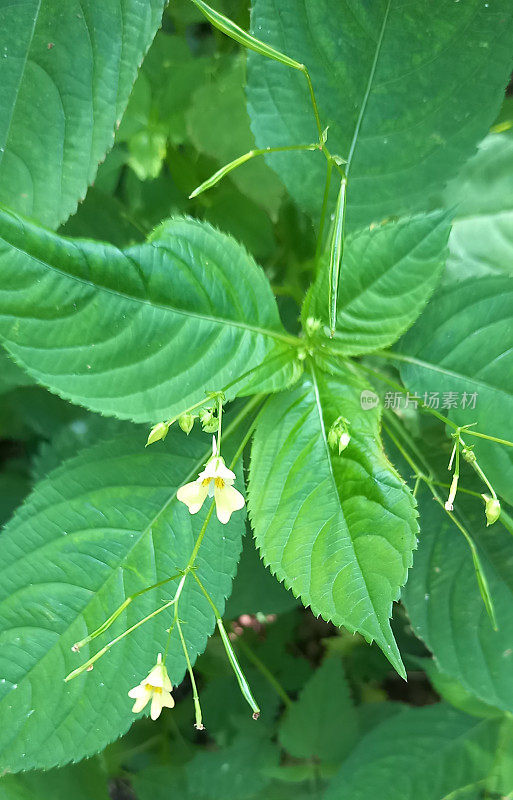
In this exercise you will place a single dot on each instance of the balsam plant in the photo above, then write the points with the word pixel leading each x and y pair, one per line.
pixel 352 397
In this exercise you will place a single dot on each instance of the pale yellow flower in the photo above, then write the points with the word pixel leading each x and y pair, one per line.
pixel 215 481
pixel 157 688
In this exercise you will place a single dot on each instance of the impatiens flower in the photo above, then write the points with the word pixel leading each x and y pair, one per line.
pixel 215 481
pixel 156 687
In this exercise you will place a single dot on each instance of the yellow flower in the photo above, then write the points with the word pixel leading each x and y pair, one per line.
pixel 215 481
pixel 157 688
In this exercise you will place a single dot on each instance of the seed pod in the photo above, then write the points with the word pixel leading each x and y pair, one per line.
pixel 159 431
pixel 186 423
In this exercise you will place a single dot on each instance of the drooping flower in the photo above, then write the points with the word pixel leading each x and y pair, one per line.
pixel 215 481
pixel 155 687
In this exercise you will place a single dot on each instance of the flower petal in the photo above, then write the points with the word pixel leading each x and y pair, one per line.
pixel 158 677
pixel 193 495
pixel 228 500
pixel 167 700
pixel 156 705
pixel 138 691
pixel 142 701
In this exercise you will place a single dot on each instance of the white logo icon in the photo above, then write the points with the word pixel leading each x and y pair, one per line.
pixel 368 399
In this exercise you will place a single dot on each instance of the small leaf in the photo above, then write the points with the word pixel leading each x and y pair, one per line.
pixel 322 724
pixel 387 276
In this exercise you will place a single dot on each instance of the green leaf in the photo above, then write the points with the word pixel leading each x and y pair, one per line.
pixel 463 343
pixel 388 274
pixel 323 723
pixel 454 693
pixel 153 328
pixel 426 753
pixel 407 90
pixel 445 607
pixel 234 771
pixel 66 74
pixel 103 525
pixel 481 239
pixel 339 530
pixel 80 781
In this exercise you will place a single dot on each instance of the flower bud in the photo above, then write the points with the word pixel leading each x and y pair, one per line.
pixel 159 431
pixel 186 423
pixel 338 435
pixel 492 509
pixel 208 420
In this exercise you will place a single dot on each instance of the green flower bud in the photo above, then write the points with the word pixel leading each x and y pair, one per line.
pixel 333 438
pixel 492 509
pixel 186 423
pixel 205 415
pixel 159 431
pixel 338 435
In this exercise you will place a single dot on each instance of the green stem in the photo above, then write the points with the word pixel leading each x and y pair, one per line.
pixel 199 540
pixel 219 425
pixel 117 639
pixel 195 696
pixel 108 622
pixel 325 199
pixel 232 658
pixel 237 162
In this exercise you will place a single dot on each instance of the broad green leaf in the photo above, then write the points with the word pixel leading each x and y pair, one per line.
pixel 481 239
pixel 454 693
pixel 80 781
pixel 426 753
pixel 235 771
pixel 101 526
pixel 407 90
pixel 388 274
pixel 219 107
pixel 322 724
pixel 76 435
pixel 66 74
pixel 339 530
pixel 141 333
pixel 445 607
pixel 463 344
